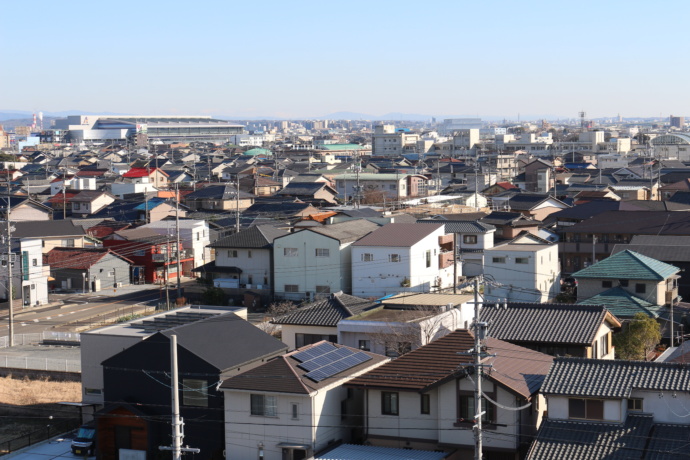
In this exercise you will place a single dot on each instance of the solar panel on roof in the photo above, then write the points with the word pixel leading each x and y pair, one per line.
pixel 169 321
pixel 325 359
pixel 346 359
pixel 313 352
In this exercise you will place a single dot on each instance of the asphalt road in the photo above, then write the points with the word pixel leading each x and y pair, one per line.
pixel 82 308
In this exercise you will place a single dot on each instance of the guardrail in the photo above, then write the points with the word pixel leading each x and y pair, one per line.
pixel 38 337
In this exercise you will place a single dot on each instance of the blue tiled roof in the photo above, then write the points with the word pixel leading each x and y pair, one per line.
pixel 628 265
pixel 623 304
pixel 152 203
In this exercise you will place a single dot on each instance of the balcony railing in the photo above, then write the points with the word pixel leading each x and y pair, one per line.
pixel 172 257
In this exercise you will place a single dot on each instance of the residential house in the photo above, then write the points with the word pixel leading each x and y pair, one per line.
pixel 614 409
pixel 537 207
pixel 137 382
pixel 525 269
pixel 244 259
pixel 539 176
pixel 24 209
pixel 88 202
pixel 424 399
pixel 392 186
pixel 29 275
pixel 598 235
pixel 319 320
pixel 318 260
pixel 311 192
pixel 295 405
pixel 259 185
pixel 510 224
pixel 403 257
pixel 87 269
pixel 142 209
pixel 194 238
pixel 59 233
pixel 406 322
pixel 149 175
pixel 472 239
pixel 154 258
pixel 583 331
pixel 223 197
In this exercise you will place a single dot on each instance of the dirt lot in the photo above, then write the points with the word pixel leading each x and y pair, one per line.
pixel 28 405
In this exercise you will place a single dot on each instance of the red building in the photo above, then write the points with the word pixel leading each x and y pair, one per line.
pixel 152 254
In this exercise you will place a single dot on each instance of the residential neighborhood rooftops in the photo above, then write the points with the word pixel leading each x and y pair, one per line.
pixel 348 231
pixel 461 226
pixel 256 237
pixel 78 258
pixel 628 265
pixel 534 322
pixel 623 304
pixel 398 235
pixel 327 312
pixel 427 299
pixel 604 378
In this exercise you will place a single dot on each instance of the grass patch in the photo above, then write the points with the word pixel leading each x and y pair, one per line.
pixel 24 392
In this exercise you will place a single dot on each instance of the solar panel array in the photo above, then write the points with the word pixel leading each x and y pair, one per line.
pixel 162 323
pixel 325 360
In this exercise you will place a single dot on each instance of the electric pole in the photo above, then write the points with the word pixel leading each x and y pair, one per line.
pixel 177 234
pixel 237 203
pixel 9 266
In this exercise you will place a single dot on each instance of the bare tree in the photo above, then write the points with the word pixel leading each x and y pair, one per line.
pixel 275 310
pixel 417 326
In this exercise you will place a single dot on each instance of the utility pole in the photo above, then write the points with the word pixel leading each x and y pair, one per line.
pixel 455 263
pixel 167 273
pixel 358 196
pixel 594 249
pixel 237 203
pixel 177 243
pixel 177 421
pixel 9 265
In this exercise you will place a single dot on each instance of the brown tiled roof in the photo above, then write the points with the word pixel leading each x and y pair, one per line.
pixel 398 235
pixel 78 258
pixel 281 375
pixel 518 369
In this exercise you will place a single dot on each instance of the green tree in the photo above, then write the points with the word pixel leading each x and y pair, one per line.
pixel 213 296
pixel 638 338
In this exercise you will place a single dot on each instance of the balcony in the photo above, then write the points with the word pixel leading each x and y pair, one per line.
pixel 172 258
pixel 445 259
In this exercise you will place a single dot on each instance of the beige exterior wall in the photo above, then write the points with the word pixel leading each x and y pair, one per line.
pixel 26 212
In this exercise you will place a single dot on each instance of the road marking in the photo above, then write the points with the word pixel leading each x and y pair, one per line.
pixel 23 324
pixel 36 320
pixel 50 317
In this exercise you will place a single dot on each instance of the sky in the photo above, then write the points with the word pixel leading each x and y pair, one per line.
pixel 304 59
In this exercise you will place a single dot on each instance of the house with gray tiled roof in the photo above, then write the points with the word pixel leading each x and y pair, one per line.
pixel 319 320
pixel 555 329
pixel 614 410
pixel 243 260
pixel 294 408
pixel 651 280
pixel 425 397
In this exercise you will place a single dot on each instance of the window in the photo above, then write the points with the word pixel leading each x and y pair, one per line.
pixel 232 253
pixel 292 288
pixel 308 339
pixel 194 393
pixel 466 409
pixel 428 259
pixel 294 411
pixel 34 262
pixel 249 254
pixel 323 289
pixel 640 288
pixel 395 349
pixel 521 260
pixel 604 345
pixel 365 345
pixel 322 252
pixel 469 239
pixel 367 257
pixel 266 406
pixel 606 284
pixel 635 404
pixel 498 260
pixel 394 258
pixel 425 403
pixel 68 243
pixel 140 253
pixel 588 409
pixel 389 403
pixel 392 186
pixel 290 252
pixel 624 283
pixel 198 236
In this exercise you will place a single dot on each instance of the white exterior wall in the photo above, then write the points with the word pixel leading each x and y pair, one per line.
pixel 410 423
pixel 654 291
pixel 306 270
pixel 25 212
pixel 194 235
pixel 258 266
pixel 536 281
pixel 121 189
pixel 380 277
pixel 37 281
pixel 289 331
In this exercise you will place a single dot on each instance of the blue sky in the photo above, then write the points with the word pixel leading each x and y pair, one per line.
pixel 307 59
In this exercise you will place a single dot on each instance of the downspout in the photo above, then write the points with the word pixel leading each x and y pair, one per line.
pixel 313 424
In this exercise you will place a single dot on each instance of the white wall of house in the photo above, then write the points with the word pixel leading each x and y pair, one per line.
pixel 654 292
pixel 473 262
pixel 289 331
pixel 374 274
pixel 254 263
pixel 94 206
pixel 526 273
pixel 297 265
pixel 34 276
pixel 194 236
pixel 121 189
pixel 25 212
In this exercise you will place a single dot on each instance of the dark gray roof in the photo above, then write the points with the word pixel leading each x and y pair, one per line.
pixel 605 378
pixel 565 439
pixel 305 188
pixel 226 341
pixel 257 237
pixel 635 222
pixel 327 312
pixel 348 231
pixel 525 201
pixel 42 228
pixel 460 226
pixel 362 212
pixel 664 253
pixel 668 442
pixel 586 210
pixel 545 323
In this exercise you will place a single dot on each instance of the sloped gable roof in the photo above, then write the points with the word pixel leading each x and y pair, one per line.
pixel 398 235
pixel 256 237
pixel 623 304
pixel 628 265
pixel 327 312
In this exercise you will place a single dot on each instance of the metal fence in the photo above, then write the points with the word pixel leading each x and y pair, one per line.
pixel 40 364
pixel 39 435
pixel 38 337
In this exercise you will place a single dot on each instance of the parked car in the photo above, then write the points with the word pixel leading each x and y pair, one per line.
pixel 85 441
